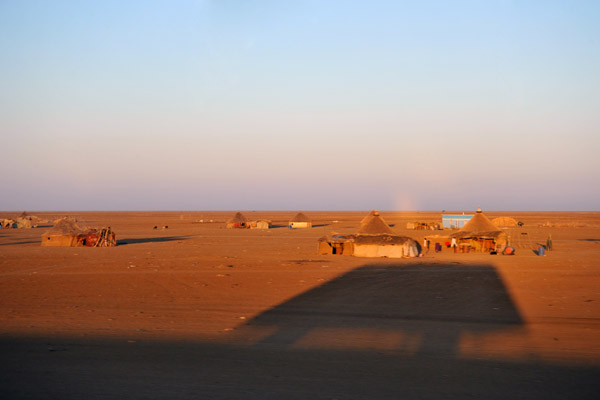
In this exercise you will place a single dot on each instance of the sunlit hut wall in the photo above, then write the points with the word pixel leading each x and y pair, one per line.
pixel 376 239
pixel 480 235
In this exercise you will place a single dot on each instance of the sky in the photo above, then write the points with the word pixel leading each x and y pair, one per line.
pixel 300 105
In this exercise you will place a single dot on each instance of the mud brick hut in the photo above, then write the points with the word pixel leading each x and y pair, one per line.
pixel 67 233
pixel 300 220
pixel 374 239
pixel 238 221
pixel 480 235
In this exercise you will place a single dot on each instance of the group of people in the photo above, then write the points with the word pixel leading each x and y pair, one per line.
pixel 438 246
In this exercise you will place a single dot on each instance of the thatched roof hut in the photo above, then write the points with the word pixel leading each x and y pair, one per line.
pixel 237 221
pixel 66 232
pixel 300 220
pixel 481 234
pixel 374 239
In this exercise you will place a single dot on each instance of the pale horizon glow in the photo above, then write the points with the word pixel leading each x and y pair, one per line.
pixel 300 105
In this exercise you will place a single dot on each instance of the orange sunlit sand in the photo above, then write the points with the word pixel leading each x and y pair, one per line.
pixel 248 292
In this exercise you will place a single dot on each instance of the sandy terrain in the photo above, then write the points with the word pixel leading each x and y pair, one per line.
pixel 200 311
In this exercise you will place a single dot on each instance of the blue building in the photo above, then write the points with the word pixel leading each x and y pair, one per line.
pixel 455 221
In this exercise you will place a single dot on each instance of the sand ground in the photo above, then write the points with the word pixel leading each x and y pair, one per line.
pixel 199 311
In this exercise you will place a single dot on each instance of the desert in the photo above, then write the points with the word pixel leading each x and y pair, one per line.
pixel 194 310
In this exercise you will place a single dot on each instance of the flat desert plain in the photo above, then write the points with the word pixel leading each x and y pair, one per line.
pixel 199 311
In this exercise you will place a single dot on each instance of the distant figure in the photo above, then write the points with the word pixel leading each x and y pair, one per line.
pixel 549 243
pixel 438 247
pixel 453 244
pixel 425 245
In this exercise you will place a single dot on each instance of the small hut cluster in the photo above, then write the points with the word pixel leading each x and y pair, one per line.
pixel 239 221
pixel 67 233
pixel 22 221
pixel 374 239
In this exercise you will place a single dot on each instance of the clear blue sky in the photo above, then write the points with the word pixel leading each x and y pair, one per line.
pixel 199 105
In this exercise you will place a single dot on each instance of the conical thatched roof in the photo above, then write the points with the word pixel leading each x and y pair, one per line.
pixel 368 217
pixel 238 218
pixel 375 225
pixel 300 217
pixel 478 225
pixel 64 226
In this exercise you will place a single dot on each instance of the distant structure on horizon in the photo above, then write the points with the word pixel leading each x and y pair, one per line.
pixel 300 220
pixel 455 221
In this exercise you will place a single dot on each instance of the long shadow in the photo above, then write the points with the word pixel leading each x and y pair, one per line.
pixel 123 242
pixel 589 240
pixel 101 368
pixel 287 226
pixel 437 303
pixel 276 226
pixel 22 242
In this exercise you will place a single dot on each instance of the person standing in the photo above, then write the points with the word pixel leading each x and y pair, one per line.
pixel 453 244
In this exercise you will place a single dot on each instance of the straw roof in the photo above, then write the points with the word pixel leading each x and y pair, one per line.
pixel 504 221
pixel 368 217
pixel 65 226
pixel 375 225
pixel 238 218
pixel 479 225
pixel 382 239
pixel 300 217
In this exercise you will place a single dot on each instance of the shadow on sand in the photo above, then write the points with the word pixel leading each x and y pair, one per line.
pixel 287 226
pixel 123 242
pixel 22 242
pixel 435 303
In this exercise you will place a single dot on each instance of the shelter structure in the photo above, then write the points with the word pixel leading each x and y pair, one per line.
pixel 480 235
pixel 423 226
pixel 504 221
pixel 67 233
pixel 237 221
pixel 260 224
pixel 455 221
pixel 300 220
pixel 374 239
pixel 8 223
pixel 18 223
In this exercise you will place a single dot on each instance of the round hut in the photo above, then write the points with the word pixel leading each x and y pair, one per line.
pixel 480 235
pixel 300 220
pixel 237 221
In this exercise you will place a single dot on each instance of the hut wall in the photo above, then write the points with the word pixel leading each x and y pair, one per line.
pixel 61 241
pixel 325 248
pixel 295 225
pixel 375 250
